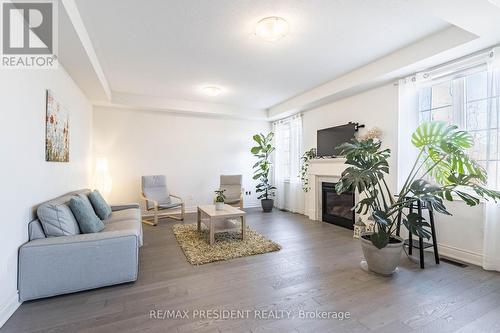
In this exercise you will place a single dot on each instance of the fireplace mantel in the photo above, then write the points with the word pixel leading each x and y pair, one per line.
pixel 321 170
pixel 327 166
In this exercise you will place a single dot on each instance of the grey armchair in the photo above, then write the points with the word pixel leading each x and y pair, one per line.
pixel 158 198
pixel 234 190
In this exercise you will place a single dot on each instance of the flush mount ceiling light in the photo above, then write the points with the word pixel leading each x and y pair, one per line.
pixel 211 91
pixel 495 2
pixel 271 28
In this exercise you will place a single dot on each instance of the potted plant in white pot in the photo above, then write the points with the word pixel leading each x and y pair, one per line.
pixel 442 157
pixel 262 169
pixel 220 198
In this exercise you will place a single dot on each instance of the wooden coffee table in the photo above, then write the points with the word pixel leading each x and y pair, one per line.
pixel 220 220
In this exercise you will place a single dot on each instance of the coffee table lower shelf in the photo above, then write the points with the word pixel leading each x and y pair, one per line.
pixel 221 221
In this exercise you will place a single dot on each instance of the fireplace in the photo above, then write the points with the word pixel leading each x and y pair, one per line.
pixel 337 208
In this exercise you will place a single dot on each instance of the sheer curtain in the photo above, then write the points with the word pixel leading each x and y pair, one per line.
pixel 289 149
pixel 279 172
pixel 491 247
pixel 296 195
pixel 407 123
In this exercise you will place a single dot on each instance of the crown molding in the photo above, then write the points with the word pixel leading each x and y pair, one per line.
pixel 122 100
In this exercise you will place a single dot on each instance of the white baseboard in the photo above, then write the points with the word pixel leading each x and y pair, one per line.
pixel 469 257
pixel 257 205
pixel 10 306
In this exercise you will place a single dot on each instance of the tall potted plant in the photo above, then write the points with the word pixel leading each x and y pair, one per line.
pixel 441 157
pixel 262 169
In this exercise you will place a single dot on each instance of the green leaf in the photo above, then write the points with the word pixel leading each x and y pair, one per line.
pixel 469 199
pixel 435 202
pixel 422 186
pixel 486 193
pixel 380 239
pixel 255 150
pixel 257 138
pixel 416 225
pixel 381 218
pixel 430 133
pixel 364 205
pixel 448 196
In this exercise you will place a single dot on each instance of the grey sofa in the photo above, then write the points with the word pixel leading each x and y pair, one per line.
pixel 50 266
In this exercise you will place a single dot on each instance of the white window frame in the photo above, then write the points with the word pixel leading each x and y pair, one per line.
pixel 459 105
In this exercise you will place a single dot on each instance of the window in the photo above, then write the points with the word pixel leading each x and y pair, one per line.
pixel 463 99
pixel 286 152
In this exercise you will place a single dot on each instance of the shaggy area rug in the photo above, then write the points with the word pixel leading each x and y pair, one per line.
pixel 228 245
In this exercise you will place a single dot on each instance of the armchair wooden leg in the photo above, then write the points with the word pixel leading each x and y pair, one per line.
pixel 156 217
pixel 148 222
pixel 181 217
pixel 151 221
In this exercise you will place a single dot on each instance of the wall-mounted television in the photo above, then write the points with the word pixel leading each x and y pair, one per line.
pixel 330 138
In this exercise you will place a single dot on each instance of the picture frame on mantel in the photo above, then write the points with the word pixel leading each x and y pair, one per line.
pixel 56 130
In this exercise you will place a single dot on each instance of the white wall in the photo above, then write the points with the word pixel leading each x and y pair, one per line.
pixel 192 151
pixel 27 179
pixel 374 108
pixel 460 236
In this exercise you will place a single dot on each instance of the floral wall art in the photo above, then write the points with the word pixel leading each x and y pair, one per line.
pixel 56 131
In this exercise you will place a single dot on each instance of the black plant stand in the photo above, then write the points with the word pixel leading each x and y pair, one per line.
pixel 420 244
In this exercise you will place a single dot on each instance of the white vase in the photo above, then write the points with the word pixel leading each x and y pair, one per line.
pixel 219 206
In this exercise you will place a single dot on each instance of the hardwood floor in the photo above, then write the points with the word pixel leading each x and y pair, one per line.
pixel 317 269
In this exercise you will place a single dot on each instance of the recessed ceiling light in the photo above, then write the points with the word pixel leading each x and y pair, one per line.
pixel 212 91
pixel 272 28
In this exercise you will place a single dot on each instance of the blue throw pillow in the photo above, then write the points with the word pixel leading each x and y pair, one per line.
pixel 101 207
pixel 85 215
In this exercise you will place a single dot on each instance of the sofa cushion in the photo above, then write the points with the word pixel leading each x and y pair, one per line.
pixel 132 227
pixel 127 220
pixel 126 214
pixel 88 221
pixel 57 219
pixel 101 207
pixel 35 230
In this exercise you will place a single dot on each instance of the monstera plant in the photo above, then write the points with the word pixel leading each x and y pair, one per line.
pixel 442 171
